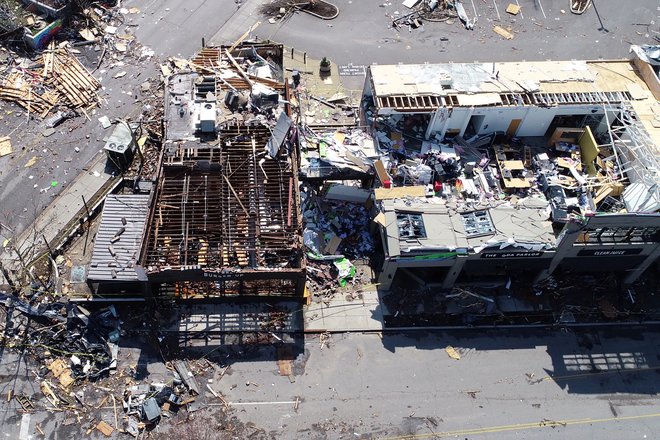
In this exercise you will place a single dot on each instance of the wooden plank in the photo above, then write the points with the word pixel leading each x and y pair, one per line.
pixel 499 30
pixel 5 146
pixel 244 36
pixel 383 176
pixel 603 192
pixel 105 428
pixel 238 67
pixel 400 192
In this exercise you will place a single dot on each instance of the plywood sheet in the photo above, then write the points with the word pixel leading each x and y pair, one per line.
pixel 499 30
pixel 381 172
pixel 5 146
pixel 400 192
pixel 513 9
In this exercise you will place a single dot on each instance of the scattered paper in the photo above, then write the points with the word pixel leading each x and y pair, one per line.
pixel 105 122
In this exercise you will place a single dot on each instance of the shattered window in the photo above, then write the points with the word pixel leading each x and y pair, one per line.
pixel 410 225
pixel 477 224
pixel 620 235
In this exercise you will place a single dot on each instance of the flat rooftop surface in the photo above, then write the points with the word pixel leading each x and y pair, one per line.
pixel 482 83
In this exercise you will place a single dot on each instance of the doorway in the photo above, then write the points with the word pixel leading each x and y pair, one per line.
pixel 474 125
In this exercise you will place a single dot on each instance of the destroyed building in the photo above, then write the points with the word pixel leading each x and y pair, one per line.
pixel 514 168
pixel 222 218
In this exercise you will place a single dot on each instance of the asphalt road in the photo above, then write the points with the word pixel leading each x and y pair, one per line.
pixel 362 33
pixel 600 385
pixel 518 384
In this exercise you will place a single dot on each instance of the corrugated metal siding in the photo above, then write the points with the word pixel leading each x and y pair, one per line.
pixel 134 208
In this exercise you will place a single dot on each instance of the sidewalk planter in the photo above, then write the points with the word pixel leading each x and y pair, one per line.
pixel 38 38
pixel 325 67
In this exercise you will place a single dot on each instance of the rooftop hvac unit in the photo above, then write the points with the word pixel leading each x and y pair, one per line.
pixel 120 147
pixel 207 118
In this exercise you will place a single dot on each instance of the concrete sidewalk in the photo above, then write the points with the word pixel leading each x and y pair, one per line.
pixel 365 314
pixel 240 21
pixel 59 219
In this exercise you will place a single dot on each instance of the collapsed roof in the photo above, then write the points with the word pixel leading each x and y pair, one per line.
pixel 226 217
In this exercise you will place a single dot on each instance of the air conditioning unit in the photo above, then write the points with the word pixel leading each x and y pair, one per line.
pixel 120 147
pixel 207 118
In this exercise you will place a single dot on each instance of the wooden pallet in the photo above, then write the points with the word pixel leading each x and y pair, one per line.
pixel 18 88
pixel 62 80
pixel 76 85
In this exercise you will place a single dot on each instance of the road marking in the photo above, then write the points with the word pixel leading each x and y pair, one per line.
pixel 542 9
pixel 25 427
pixel 521 15
pixel 497 10
pixel 280 402
pixel 521 427
pixel 581 375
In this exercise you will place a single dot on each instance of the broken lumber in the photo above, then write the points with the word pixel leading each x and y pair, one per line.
pixel 499 30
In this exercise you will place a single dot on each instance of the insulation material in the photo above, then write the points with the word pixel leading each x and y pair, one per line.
pixel 588 150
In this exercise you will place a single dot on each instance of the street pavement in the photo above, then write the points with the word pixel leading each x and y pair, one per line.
pixel 362 33
pixel 518 384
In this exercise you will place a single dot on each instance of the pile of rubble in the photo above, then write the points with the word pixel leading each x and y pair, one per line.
pixel 557 300
pixel 336 232
pixel 67 338
pixel 77 356
pixel 343 154
pixel 56 78
pixel 431 11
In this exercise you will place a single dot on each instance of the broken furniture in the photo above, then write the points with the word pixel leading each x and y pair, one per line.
pixel 512 169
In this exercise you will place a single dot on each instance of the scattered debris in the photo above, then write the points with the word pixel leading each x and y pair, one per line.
pixel 59 79
pixel 460 10
pixel 579 6
pixel 31 162
pixel 186 376
pixel 513 9
pixel 281 9
pixel 499 30
pixel 105 428
pixel 5 146
pixel 452 353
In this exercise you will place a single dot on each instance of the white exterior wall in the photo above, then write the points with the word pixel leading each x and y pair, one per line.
pixel 457 121
pixel 535 120
pixel 498 118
